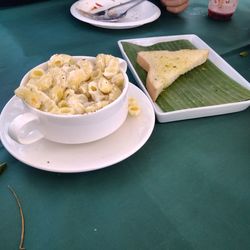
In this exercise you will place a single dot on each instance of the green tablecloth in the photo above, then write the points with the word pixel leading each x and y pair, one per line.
pixel 188 187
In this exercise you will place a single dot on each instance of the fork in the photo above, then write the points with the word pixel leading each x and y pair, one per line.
pixel 115 13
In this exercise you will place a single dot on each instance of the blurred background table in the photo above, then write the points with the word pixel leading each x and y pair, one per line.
pixel 188 187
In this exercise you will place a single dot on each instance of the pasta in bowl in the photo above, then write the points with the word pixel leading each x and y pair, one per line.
pixel 72 99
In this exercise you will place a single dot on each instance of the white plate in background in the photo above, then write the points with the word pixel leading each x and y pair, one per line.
pixel 56 157
pixel 190 112
pixel 144 13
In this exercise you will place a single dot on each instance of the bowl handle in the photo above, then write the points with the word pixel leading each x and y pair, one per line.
pixel 24 129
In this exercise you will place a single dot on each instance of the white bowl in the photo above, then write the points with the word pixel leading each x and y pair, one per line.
pixel 34 125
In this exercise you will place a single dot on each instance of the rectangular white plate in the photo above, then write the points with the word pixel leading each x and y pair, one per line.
pixel 191 112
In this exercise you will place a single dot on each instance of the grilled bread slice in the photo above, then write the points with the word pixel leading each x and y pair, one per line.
pixel 164 66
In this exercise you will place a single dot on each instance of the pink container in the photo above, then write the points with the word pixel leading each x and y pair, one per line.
pixel 222 9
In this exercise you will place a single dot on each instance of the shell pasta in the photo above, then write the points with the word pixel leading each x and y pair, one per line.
pixel 72 85
pixel 133 107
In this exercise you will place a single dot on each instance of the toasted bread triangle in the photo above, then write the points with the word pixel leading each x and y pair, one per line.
pixel 164 66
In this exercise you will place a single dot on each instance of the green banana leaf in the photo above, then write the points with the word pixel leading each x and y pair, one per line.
pixel 205 85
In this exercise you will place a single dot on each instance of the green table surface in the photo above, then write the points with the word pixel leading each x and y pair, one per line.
pixel 188 187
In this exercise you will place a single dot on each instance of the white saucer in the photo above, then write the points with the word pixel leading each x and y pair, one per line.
pixel 145 12
pixel 55 157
